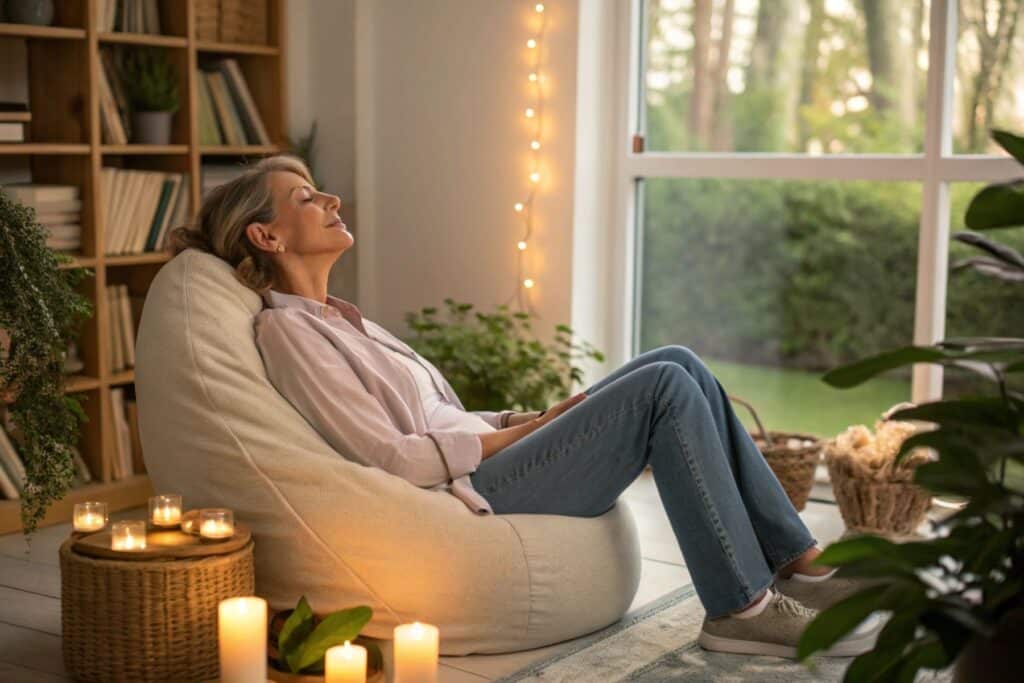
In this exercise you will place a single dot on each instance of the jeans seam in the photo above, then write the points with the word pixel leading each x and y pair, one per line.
pixel 780 565
pixel 708 504
pixel 562 449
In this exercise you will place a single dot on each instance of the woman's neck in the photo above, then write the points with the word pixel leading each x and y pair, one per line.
pixel 312 285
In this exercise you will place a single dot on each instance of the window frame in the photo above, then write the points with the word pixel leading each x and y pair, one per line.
pixel 934 169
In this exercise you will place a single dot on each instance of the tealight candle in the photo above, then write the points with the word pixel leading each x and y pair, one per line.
pixel 345 664
pixel 129 535
pixel 89 516
pixel 165 511
pixel 242 640
pixel 416 647
pixel 216 523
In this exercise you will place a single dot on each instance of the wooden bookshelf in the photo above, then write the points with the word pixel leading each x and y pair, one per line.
pixel 65 147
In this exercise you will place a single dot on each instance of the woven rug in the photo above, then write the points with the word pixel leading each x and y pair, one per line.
pixel 659 644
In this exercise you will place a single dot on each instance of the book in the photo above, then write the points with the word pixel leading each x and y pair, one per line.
pixel 57 217
pixel 113 126
pixel 132 413
pixel 12 131
pixel 114 331
pixel 162 209
pixel 32 194
pixel 127 325
pixel 209 128
pixel 122 435
pixel 225 108
pixel 12 469
pixel 82 473
pixel 255 133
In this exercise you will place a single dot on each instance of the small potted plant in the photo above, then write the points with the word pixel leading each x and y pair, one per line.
pixel 152 88
pixel 492 360
pixel 298 641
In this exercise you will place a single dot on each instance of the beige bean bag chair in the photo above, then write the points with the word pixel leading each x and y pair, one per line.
pixel 214 429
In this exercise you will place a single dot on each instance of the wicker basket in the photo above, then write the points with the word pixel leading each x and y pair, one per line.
pixel 243 21
pixel 893 507
pixel 152 620
pixel 794 467
pixel 207 19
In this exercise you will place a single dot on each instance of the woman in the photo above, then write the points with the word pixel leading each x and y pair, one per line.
pixel 379 403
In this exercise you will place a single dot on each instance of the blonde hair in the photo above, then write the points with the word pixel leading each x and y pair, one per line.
pixel 219 227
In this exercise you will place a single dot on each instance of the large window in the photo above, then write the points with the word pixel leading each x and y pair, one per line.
pixel 802 164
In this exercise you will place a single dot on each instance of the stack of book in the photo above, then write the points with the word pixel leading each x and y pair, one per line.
pixel 141 207
pixel 218 174
pixel 115 121
pixel 127 445
pixel 124 310
pixel 134 16
pixel 14 116
pixel 227 111
pixel 58 210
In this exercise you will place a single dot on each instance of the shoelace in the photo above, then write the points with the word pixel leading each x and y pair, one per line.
pixel 788 605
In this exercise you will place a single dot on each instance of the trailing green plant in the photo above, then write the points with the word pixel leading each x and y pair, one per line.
pixel 492 360
pixel 149 79
pixel 305 638
pixel 40 311
pixel 964 587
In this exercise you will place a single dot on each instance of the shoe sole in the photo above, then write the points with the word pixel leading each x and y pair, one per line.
pixel 846 648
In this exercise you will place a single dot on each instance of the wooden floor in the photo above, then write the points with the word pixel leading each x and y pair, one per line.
pixel 30 648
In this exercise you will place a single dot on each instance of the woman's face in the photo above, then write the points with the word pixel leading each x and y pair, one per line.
pixel 306 222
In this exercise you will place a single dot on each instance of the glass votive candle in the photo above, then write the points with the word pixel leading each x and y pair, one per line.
pixel 216 523
pixel 165 511
pixel 130 535
pixel 89 516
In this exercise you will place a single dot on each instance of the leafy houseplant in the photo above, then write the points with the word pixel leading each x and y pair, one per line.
pixel 152 88
pixel 491 362
pixel 40 311
pixel 958 597
pixel 299 639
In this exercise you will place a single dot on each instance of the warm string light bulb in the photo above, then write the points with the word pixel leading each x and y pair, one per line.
pixel 534 114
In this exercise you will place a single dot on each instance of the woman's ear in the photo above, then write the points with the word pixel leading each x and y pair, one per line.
pixel 261 238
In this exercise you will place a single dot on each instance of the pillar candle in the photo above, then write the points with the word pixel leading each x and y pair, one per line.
pixel 242 640
pixel 416 647
pixel 345 664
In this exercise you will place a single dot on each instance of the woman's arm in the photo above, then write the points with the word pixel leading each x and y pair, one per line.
pixel 493 442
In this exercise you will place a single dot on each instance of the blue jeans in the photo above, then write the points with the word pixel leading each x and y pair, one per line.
pixel 731 517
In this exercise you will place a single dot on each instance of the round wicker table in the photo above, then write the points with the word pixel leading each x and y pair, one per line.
pixel 149 615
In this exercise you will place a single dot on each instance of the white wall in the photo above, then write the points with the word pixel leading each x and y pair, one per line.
pixel 442 156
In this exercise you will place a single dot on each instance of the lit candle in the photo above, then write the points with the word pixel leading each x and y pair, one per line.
pixel 416 653
pixel 89 516
pixel 129 535
pixel 216 523
pixel 165 511
pixel 345 664
pixel 242 640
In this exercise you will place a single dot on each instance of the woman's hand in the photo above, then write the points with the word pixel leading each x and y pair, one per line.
pixel 494 442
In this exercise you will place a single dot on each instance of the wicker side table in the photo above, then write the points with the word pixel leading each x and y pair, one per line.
pixel 147 619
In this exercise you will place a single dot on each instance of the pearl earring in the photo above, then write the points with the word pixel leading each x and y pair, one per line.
pixel 280 247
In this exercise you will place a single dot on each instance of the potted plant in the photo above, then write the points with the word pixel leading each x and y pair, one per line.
pixel 491 361
pixel 152 88
pixel 40 311
pixel 298 641
pixel 959 597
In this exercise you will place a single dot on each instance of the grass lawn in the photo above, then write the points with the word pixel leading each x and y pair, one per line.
pixel 798 401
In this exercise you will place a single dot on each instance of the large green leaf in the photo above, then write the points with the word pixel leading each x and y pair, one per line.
pixel 833 623
pixel 990 412
pixel 1000 205
pixel 334 630
pixel 928 654
pixel 856 549
pixel 1012 143
pixel 882 663
pixel 289 642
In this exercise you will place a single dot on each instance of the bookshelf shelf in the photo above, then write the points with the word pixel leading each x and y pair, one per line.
pixel 137 259
pixel 237 48
pixel 145 149
pixel 64 75
pixel 46 32
pixel 149 39
pixel 40 148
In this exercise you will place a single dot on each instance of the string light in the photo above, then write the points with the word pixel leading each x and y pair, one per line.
pixel 534 114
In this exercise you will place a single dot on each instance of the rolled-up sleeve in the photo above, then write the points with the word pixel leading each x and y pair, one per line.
pixel 318 381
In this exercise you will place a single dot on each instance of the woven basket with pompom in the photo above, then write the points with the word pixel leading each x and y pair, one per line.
pixel 874 494
pixel 792 456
